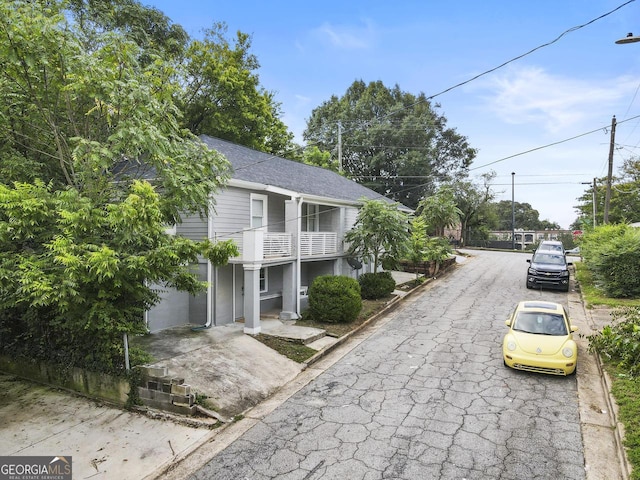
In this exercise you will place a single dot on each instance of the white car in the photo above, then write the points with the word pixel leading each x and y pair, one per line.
pixel 573 251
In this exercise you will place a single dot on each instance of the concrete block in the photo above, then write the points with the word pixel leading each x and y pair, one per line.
pixel 177 381
pixel 166 387
pixel 182 399
pixel 181 389
pixel 153 385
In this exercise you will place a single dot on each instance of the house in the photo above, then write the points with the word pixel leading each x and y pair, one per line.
pixel 288 219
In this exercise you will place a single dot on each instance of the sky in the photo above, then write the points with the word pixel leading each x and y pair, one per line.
pixel 542 122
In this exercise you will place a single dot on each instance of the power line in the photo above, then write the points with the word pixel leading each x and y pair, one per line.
pixel 549 144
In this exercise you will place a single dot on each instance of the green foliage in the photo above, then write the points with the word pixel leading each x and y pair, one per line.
pixel 316 157
pixel 334 299
pixel 376 285
pixel 394 142
pixel 526 216
pixel 381 231
pixel 620 341
pixel 437 249
pixel 418 241
pixel 612 255
pixel 440 210
pixel 95 167
pixel 75 276
pixel 223 98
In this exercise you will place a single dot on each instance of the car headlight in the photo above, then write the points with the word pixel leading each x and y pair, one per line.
pixel 532 271
pixel 567 352
pixel 564 273
pixel 511 345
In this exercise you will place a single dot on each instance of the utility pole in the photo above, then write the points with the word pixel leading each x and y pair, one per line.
pixel 593 199
pixel 339 147
pixel 594 203
pixel 607 198
pixel 513 212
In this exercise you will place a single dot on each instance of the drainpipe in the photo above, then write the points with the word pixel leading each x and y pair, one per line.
pixel 298 263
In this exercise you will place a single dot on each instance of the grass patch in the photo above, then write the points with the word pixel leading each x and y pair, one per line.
pixel 626 391
pixel 594 296
pixel 293 350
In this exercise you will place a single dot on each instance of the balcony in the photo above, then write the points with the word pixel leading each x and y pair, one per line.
pixel 277 245
pixel 259 245
pixel 318 243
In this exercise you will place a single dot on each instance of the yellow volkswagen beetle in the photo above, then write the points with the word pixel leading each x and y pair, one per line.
pixel 540 339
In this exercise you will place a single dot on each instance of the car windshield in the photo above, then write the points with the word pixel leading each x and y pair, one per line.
pixel 548 258
pixel 540 323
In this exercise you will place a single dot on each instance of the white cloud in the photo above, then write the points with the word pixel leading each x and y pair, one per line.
pixel 347 37
pixel 531 95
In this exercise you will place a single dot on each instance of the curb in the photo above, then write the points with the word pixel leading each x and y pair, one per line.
pixel 605 381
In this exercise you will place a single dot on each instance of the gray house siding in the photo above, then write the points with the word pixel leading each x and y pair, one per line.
pixel 232 214
pixel 172 310
pixel 192 227
pixel 223 288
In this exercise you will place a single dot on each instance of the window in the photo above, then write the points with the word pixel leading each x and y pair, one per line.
pixel 258 211
pixel 264 286
pixel 311 217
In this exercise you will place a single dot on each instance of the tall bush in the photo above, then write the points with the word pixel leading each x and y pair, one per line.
pixel 334 299
pixel 376 285
pixel 612 255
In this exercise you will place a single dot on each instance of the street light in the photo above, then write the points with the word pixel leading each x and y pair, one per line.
pixel 630 38
pixel 513 213
pixel 593 196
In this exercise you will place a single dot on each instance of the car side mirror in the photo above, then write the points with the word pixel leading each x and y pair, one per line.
pixel 528 260
pixel 508 322
pixel 569 264
pixel 574 328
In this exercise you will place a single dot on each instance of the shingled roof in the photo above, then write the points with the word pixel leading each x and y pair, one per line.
pixel 263 168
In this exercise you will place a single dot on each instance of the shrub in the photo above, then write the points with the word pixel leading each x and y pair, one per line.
pixel 620 341
pixel 376 285
pixel 334 299
pixel 612 255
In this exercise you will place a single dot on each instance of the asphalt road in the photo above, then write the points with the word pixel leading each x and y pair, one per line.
pixel 425 396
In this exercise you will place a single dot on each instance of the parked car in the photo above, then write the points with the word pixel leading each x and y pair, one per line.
pixel 573 251
pixel 548 269
pixel 540 339
pixel 553 245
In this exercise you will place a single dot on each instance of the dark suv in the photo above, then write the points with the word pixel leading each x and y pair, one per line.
pixel 548 269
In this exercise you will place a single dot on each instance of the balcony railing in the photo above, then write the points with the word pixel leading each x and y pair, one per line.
pixel 277 245
pixel 257 245
pixel 318 243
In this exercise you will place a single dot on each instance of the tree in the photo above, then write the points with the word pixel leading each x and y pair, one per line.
pixel 440 210
pixel 316 157
pixel 94 168
pixel 472 201
pixel 392 141
pixel 418 242
pixel 223 98
pixel 624 204
pixel 527 218
pixel 147 26
pixel 381 233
